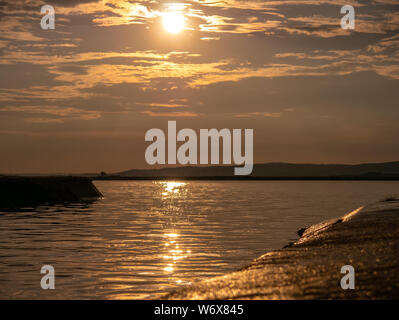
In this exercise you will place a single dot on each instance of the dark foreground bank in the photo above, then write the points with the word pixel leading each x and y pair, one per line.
pixel 17 192
pixel 367 239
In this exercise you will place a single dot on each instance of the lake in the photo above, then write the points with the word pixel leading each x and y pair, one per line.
pixel 145 238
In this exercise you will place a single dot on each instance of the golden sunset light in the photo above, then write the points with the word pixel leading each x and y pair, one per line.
pixel 173 22
pixel 199 149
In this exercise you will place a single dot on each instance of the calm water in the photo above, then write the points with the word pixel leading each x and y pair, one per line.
pixel 146 238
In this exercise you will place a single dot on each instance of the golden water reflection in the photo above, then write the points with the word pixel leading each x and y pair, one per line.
pixel 171 187
pixel 174 253
pixel 171 248
pixel 135 242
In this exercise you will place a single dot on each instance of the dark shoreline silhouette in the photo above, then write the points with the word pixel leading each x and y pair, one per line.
pixel 266 171
pixel 17 192
pixel 250 178
pixel 20 191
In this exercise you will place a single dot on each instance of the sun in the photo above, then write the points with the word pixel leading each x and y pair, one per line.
pixel 173 22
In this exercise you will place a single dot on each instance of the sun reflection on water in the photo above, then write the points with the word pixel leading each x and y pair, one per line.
pixel 174 253
pixel 171 187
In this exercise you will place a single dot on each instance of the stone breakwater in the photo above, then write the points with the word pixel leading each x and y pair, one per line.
pixel 310 268
pixel 17 192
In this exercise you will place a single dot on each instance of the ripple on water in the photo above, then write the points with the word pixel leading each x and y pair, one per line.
pixel 145 238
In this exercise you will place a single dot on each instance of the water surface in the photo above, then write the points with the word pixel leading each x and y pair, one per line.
pixel 146 238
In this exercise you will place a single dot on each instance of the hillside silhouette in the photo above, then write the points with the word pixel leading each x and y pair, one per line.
pixel 275 170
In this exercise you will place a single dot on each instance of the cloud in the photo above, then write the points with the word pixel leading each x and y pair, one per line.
pixel 178 114
pixel 56 114
pixel 113 55
pixel 44 120
pixel 261 114
pixel 163 105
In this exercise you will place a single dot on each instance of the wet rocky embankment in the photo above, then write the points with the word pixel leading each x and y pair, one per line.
pixel 367 239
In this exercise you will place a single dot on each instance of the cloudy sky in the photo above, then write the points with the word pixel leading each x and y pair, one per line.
pixel 80 98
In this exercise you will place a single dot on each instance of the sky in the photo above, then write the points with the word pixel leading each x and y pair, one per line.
pixel 81 97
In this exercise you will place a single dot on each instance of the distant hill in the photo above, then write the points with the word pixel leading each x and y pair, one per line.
pixel 275 170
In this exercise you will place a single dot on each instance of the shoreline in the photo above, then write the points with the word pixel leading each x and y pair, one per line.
pixel 250 178
pixel 22 191
pixel 245 178
pixel 309 268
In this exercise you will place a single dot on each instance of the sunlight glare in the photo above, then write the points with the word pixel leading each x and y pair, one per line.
pixel 173 21
pixel 172 187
